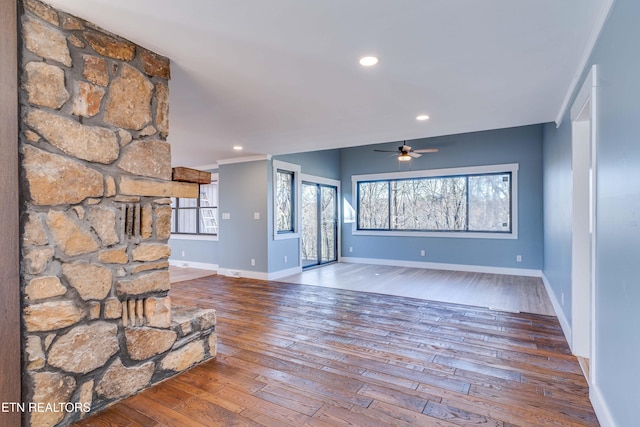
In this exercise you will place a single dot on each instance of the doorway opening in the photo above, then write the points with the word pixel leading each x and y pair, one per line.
pixel 319 241
pixel 583 146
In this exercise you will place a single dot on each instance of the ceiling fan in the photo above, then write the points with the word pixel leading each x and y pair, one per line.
pixel 406 153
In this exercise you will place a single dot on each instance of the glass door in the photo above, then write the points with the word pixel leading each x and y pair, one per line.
pixel 319 224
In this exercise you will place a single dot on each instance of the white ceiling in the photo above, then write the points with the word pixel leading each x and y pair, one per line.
pixel 282 76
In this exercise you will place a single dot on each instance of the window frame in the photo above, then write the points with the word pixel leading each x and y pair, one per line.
pixel 295 171
pixel 198 235
pixel 511 168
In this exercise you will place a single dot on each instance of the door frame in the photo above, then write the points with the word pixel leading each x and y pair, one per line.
pixel 10 380
pixel 583 308
pixel 313 179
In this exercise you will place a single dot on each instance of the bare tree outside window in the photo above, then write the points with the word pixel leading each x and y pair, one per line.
pixel 284 201
pixel 451 203
pixel 373 205
pixel 490 202
pixel 328 213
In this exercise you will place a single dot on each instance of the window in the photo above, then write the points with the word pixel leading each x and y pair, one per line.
pixel 469 202
pixel 196 216
pixel 285 185
pixel 286 193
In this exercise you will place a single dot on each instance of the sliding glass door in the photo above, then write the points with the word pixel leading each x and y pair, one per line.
pixel 319 224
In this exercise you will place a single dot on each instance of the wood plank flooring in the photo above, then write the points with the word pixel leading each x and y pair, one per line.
pixel 180 274
pixel 296 355
pixel 498 291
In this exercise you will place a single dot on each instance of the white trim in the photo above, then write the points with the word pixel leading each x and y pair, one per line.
pixel 289 167
pixel 234 272
pixel 465 170
pixel 259 275
pixel 192 264
pixel 586 55
pixel 319 180
pixel 442 266
pixel 247 159
pixel 211 166
pixel 557 307
pixel 585 314
pixel 204 237
pixel 284 273
pixel 605 418
pixel 425 173
pixel 593 362
pixel 585 94
pixel 447 234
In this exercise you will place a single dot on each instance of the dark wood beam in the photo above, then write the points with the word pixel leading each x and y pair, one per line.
pixel 9 214
pixel 191 175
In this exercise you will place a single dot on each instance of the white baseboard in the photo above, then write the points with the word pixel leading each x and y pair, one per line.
pixel 234 272
pixel 259 275
pixel 564 323
pixel 276 275
pixel 192 264
pixel 600 407
pixel 442 266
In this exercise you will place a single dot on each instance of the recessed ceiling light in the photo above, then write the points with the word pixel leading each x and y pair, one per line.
pixel 237 147
pixel 422 117
pixel 368 61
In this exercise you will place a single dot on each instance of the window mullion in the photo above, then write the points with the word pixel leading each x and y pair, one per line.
pixel 389 203
pixel 466 213
pixel 198 231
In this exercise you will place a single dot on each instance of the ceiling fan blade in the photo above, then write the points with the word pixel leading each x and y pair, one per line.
pixel 427 150
pixel 386 151
pixel 414 154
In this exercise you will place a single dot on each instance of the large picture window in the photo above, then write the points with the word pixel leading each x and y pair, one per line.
pixel 196 216
pixel 448 201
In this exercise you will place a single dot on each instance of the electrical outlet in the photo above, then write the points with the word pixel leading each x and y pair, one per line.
pixel 286 259
pixel 226 215
pixel 350 248
pixel 253 262
pixel 182 254
pixel 518 258
pixel 423 253
pixel 256 215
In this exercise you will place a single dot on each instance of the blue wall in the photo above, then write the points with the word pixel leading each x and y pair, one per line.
pixel 521 145
pixel 242 192
pixel 558 212
pixel 324 163
pixel 617 347
pixel 200 251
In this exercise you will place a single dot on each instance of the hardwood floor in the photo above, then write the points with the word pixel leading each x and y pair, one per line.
pixel 296 355
pixel 497 291
pixel 180 274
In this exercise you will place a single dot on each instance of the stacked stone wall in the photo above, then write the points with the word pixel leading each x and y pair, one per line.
pixel 96 217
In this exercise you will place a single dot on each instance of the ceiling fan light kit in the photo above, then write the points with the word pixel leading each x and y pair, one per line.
pixel 406 153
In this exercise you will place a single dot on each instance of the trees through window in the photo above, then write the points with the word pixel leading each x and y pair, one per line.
pixel 285 212
pixel 459 203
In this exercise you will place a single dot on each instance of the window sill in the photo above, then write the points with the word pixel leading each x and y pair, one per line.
pixel 211 237
pixel 285 236
pixel 443 234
